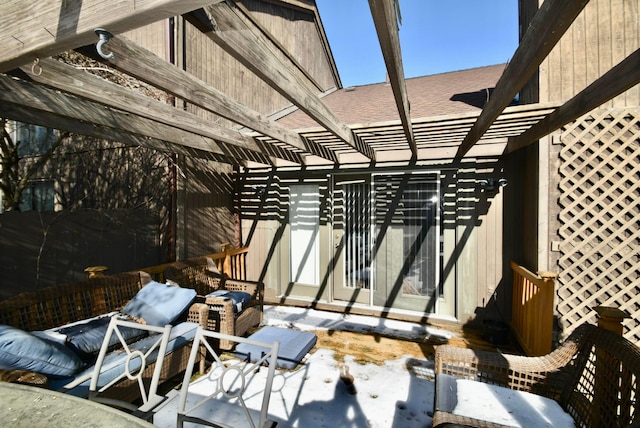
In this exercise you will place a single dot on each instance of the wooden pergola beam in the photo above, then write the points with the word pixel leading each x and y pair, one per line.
pixel 237 35
pixel 142 64
pixel 386 23
pixel 63 25
pixel 58 75
pixel 623 76
pixel 36 97
pixel 547 27
pixel 54 121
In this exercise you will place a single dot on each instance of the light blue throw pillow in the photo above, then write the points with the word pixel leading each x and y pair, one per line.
pixel 159 304
pixel 21 350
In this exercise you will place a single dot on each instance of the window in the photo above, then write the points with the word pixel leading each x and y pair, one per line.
pixel 38 196
pixel 407 215
pixel 34 139
pixel 304 215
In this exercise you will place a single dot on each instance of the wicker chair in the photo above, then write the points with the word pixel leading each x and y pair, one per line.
pixel 594 377
pixel 196 273
pixel 58 305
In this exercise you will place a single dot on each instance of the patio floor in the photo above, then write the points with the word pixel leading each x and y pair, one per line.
pixel 390 361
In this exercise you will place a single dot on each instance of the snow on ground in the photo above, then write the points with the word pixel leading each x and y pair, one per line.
pixel 398 394
pixel 311 319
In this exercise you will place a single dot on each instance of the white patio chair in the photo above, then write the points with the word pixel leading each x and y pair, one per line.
pixel 132 367
pixel 220 397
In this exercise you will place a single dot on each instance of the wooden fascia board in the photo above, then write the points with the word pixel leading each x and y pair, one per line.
pixel 236 34
pixel 35 97
pixel 547 27
pixel 144 65
pixel 386 23
pixel 623 76
pixel 48 27
pixel 57 75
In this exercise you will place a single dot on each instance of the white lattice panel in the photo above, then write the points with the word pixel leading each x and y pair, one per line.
pixel 600 218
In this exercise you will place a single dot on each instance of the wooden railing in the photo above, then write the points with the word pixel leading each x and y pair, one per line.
pixel 532 311
pixel 231 262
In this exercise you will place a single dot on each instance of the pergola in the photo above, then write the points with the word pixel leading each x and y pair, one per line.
pixel 50 93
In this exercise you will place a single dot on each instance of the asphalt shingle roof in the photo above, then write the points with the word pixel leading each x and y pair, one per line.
pixel 439 94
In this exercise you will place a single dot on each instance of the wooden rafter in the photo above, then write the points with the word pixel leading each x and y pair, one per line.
pixel 66 78
pixel 623 76
pixel 54 121
pixel 39 98
pixel 232 31
pixel 547 27
pixel 142 64
pixel 386 23
pixel 62 25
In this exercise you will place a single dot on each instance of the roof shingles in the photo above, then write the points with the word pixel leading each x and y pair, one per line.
pixel 439 94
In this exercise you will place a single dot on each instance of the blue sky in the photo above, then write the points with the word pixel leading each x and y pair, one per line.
pixel 436 36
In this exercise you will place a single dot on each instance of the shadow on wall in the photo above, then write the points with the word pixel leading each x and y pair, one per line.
pixel 44 249
pixel 264 198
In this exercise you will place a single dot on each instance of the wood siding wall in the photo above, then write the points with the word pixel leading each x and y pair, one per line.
pixel 604 33
pixel 153 37
pixel 478 227
pixel 297 32
pixel 601 36
pixel 205 190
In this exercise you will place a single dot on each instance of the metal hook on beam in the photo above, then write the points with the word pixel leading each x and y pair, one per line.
pixel 104 36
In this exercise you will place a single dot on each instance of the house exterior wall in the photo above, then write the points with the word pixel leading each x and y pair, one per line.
pixel 204 189
pixel 472 269
pixel 602 35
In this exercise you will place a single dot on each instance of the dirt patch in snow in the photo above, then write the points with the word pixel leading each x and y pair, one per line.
pixel 375 348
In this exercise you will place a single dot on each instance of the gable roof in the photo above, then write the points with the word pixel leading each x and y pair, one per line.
pixel 438 94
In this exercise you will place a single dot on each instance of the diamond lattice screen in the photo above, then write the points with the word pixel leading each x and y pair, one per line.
pixel 600 218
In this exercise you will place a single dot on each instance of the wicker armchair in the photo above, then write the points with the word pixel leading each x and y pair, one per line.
pixel 58 305
pixel 594 377
pixel 196 273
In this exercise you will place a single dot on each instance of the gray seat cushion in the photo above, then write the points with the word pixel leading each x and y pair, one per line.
pixel 294 345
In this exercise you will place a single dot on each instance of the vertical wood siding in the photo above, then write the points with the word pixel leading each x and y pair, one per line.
pixel 601 36
pixel 295 30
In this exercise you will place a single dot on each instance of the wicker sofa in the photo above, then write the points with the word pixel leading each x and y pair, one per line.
pixel 202 275
pixel 60 305
pixel 594 376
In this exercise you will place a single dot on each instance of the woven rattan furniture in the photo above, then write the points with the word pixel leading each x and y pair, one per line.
pixel 593 375
pixel 196 273
pixel 59 305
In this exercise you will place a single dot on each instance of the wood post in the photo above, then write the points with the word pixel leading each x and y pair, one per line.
pixel 611 318
pixel 96 271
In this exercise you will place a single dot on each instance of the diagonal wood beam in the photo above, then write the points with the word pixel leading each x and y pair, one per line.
pixel 54 121
pixel 623 76
pixel 231 30
pixel 547 27
pixel 142 64
pixel 49 27
pixel 281 48
pixel 35 97
pixel 58 75
pixel 386 23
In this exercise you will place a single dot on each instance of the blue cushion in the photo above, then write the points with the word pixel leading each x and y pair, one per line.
pixel 20 350
pixel 240 298
pixel 294 345
pixel 85 339
pixel 181 335
pixel 159 304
